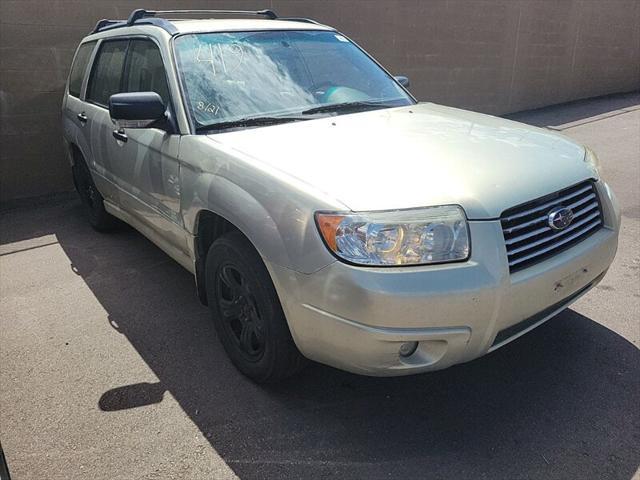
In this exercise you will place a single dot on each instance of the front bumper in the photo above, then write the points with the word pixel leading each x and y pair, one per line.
pixel 356 318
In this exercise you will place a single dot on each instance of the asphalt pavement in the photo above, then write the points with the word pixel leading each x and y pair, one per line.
pixel 111 369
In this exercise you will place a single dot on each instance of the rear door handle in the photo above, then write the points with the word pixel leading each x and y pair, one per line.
pixel 120 135
pixel 82 117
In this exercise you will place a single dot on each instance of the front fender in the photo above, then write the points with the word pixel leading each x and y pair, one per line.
pixel 275 214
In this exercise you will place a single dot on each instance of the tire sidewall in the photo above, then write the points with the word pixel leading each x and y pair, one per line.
pixel 223 253
pixel 98 216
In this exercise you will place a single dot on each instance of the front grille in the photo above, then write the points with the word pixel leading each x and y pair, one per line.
pixel 530 239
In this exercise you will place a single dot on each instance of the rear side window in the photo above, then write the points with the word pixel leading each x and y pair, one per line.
pixel 145 71
pixel 79 68
pixel 106 74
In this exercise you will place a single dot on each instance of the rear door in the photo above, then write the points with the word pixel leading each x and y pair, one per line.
pixel 74 110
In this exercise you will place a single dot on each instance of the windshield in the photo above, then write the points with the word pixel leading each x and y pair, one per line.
pixel 237 76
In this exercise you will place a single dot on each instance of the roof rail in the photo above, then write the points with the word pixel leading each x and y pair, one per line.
pixel 299 19
pixel 106 24
pixel 150 17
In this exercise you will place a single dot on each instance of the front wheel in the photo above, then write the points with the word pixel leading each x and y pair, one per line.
pixel 247 312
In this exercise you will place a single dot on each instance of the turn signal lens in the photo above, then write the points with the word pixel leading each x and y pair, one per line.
pixel 328 224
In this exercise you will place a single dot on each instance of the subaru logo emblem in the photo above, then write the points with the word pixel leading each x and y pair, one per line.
pixel 560 218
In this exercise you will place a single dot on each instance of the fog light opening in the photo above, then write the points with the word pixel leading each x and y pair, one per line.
pixel 408 348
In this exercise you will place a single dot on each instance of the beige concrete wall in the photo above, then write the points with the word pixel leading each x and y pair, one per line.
pixel 494 56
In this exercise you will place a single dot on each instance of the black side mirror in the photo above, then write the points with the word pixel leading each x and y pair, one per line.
pixel 137 109
pixel 402 80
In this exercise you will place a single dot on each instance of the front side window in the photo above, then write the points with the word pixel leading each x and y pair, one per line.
pixel 239 75
pixel 79 68
pixel 106 75
pixel 145 71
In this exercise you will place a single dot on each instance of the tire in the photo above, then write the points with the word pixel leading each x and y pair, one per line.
pixel 247 312
pixel 98 217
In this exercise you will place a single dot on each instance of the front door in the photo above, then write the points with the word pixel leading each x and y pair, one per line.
pixel 104 80
pixel 141 163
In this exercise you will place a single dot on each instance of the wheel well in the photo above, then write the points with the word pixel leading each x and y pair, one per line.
pixel 210 227
pixel 75 157
pixel 76 154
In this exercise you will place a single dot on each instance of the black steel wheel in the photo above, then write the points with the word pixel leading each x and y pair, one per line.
pixel 91 198
pixel 239 312
pixel 247 312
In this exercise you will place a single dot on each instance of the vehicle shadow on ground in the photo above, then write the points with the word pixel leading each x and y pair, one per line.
pixel 577 111
pixel 559 403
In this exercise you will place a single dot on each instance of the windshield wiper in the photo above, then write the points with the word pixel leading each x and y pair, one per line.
pixel 346 106
pixel 248 122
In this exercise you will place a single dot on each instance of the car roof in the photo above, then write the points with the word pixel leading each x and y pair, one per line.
pixel 150 22
pixel 180 27
pixel 226 25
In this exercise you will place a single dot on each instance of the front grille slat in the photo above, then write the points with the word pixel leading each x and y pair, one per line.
pixel 544 250
pixel 544 217
pixel 529 240
pixel 526 224
pixel 577 215
pixel 559 234
pixel 562 233
pixel 546 205
pixel 520 238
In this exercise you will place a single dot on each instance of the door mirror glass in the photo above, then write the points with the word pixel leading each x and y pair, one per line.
pixel 402 80
pixel 137 110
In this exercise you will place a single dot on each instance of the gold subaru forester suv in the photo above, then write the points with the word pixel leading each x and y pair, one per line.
pixel 324 212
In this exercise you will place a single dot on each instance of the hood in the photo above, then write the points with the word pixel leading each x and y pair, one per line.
pixel 418 156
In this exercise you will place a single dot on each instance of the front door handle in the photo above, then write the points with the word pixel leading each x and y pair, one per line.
pixel 82 117
pixel 120 135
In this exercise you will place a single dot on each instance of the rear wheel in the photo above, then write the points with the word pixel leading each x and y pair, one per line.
pixel 247 312
pixel 91 198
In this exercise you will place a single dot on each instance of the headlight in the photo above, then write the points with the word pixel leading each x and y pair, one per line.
pixel 403 237
pixel 591 159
